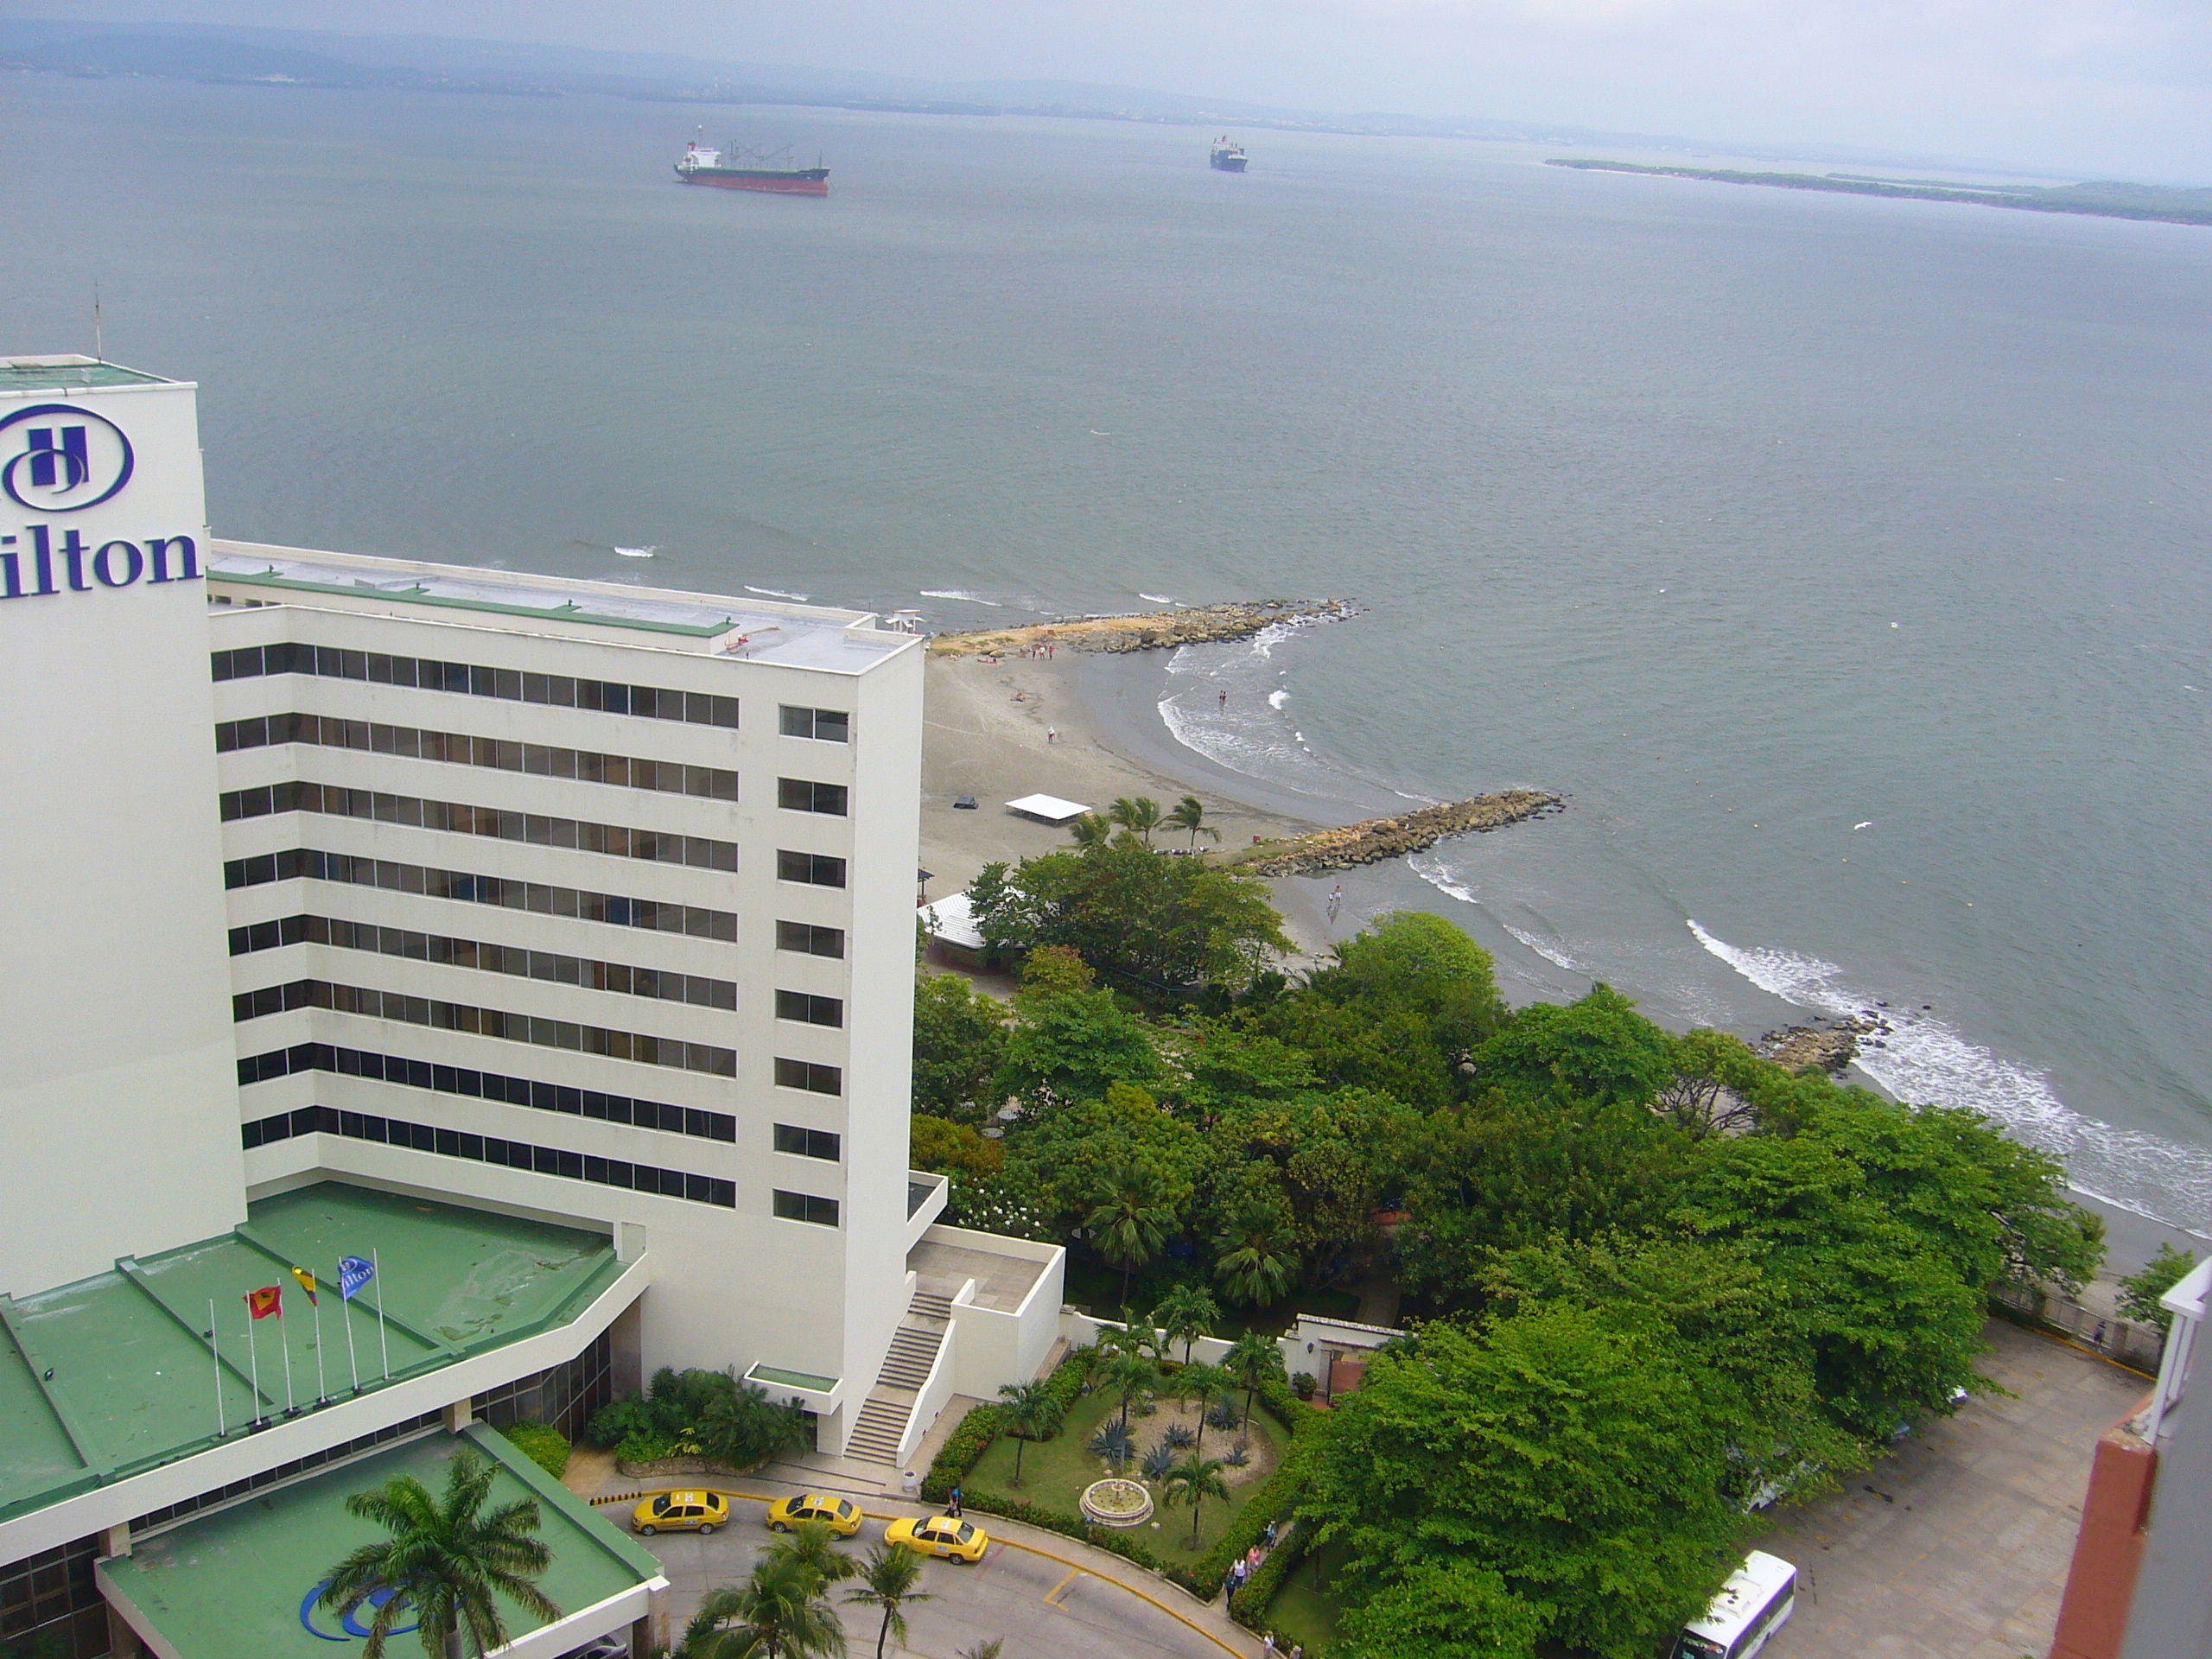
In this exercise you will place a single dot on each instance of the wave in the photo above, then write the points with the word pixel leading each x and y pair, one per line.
pixel 962 595
pixel 1158 599
pixel 1927 1061
pixel 775 592
pixel 1278 697
pixel 643 552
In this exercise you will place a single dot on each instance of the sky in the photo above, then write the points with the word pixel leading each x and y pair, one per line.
pixel 2111 88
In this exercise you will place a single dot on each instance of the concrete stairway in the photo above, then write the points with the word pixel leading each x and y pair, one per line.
pixel 889 1406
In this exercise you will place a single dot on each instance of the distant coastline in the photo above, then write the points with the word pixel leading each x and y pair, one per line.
pixel 2159 203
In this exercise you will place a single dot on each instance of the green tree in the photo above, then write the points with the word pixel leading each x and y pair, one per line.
pixel 2139 1291
pixel 1130 1224
pixel 1140 817
pixel 778 1612
pixel 449 1559
pixel 1252 1359
pixel 1256 1254
pixel 738 1424
pixel 1575 1460
pixel 947 1147
pixel 814 1544
pixel 1716 1081
pixel 1125 1372
pixel 1417 962
pixel 1202 1385
pixel 1071 1046
pixel 1599 1050
pixel 1189 814
pixel 1184 1314
pixel 1091 829
pixel 887 1581
pixel 959 1042
pixel 1191 1481
pixel 1033 1413
pixel 1447 1609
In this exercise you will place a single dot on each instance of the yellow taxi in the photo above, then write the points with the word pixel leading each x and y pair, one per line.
pixel 700 1512
pixel 841 1513
pixel 941 1535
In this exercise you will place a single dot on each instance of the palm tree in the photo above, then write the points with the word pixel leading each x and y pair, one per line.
pixel 1127 1373
pixel 1189 814
pixel 1192 1481
pixel 1203 1383
pixel 1032 1413
pixel 814 1542
pixel 448 1560
pixel 776 1613
pixel 1184 1314
pixel 887 1581
pixel 1250 1361
pixel 1092 830
pixel 1140 817
pixel 1131 1225
pixel 1256 1256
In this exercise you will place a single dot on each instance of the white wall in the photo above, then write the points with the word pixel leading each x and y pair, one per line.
pixel 118 1101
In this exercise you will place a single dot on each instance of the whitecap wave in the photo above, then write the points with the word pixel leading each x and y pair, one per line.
pixel 1925 1060
pixel 1278 697
pixel 962 594
pixel 644 552
pixel 1158 599
pixel 775 592
pixel 1550 950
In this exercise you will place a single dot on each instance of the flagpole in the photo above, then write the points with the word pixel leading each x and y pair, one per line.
pixel 346 1312
pixel 321 1394
pixel 222 1430
pixel 376 1271
pixel 284 1347
pixel 253 1355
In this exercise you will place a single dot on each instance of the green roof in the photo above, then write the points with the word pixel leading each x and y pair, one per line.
pixel 69 377
pixel 233 1584
pixel 133 1383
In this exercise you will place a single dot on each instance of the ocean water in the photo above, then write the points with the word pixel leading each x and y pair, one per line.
pixel 1842 560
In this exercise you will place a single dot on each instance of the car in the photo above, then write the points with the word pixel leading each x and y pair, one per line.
pixel 699 1512
pixel 607 1647
pixel 940 1534
pixel 965 804
pixel 841 1513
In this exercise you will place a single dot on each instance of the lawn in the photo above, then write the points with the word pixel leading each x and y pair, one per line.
pixel 1300 1611
pixel 1055 1471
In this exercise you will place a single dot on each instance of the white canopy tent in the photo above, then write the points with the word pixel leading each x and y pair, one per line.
pixel 1047 809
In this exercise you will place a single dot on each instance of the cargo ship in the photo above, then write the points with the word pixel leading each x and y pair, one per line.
pixel 1227 156
pixel 737 169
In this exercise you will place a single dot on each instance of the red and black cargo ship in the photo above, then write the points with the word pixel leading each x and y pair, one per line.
pixel 736 170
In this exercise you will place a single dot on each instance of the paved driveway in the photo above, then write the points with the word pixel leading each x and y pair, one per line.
pixel 1956 1548
pixel 1044 1608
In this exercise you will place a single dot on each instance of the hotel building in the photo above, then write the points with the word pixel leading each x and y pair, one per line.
pixel 550 942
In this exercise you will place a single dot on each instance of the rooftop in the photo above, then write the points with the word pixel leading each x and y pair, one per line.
pixel 114 1375
pixel 800 636
pixel 237 1583
pixel 1002 1283
pixel 68 373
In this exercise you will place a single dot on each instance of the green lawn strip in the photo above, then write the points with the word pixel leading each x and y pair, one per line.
pixel 1300 1612
pixel 1054 1474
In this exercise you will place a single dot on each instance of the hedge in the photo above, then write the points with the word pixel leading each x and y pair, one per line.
pixel 972 1435
pixel 1273 1502
pixel 1116 1542
pixel 544 1445
pixel 1249 1606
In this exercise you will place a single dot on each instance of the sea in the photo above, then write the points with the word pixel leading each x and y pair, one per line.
pixel 1842 562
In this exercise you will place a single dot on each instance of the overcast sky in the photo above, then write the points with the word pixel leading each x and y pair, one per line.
pixel 2114 87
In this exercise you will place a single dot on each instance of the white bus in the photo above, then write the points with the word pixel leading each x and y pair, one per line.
pixel 1758 1597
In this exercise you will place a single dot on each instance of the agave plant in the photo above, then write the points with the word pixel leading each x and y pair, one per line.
pixel 1239 1454
pixel 1222 1413
pixel 1158 1461
pixel 1179 1436
pixel 1113 1444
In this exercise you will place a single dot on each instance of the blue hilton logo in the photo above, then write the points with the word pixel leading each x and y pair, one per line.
pixel 60 459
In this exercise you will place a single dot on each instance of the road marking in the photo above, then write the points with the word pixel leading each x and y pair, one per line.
pixel 1053 1595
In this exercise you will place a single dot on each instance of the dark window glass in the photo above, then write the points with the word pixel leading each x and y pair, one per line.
pixel 803 795
pixel 816 869
pixel 824 725
pixel 809 1075
pixel 809 1009
pixel 808 1143
pixel 809 940
pixel 805 1206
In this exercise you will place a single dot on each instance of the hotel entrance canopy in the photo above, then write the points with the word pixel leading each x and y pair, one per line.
pixel 240 1583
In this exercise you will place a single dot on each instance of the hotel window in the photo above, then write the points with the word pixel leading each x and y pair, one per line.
pixel 816 869
pixel 823 725
pixel 807 1075
pixel 809 940
pixel 803 795
pixel 809 1009
pixel 808 1143
pixel 805 1206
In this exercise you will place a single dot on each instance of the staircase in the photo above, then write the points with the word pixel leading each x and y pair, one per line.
pixel 881 1424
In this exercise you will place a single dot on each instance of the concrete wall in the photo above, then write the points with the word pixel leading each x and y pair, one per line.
pixel 2108 1550
pixel 996 1347
pixel 118 1092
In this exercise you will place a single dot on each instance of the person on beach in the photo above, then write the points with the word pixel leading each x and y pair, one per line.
pixel 1225 698
pixel 1052 735
pixel 1336 904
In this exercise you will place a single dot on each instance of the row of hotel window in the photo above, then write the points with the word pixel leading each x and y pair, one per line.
pixel 519 1154
pixel 700 852
pixel 505 754
pixel 516 685
pixel 468 1083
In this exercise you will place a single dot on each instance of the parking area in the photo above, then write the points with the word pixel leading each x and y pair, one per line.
pixel 1956 1546
pixel 1042 1599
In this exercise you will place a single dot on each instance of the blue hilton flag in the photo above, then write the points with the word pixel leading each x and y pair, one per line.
pixel 352 1274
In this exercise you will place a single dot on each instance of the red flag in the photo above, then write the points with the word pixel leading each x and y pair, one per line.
pixel 264 1302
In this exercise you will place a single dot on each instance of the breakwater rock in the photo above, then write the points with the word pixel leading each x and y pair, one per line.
pixel 1373 840
pixel 1152 630
pixel 1831 1046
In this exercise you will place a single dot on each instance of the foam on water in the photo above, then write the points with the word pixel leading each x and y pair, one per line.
pixel 1927 1061
pixel 775 592
pixel 1158 599
pixel 963 595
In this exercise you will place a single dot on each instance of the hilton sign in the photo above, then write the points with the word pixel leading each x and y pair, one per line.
pixel 61 458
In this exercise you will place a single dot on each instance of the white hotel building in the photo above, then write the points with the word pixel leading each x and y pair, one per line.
pixel 559 933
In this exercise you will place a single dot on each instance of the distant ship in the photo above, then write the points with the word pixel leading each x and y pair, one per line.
pixel 1228 154
pixel 737 169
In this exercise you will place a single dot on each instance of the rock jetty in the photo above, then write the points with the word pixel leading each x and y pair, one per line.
pixel 1152 630
pixel 1831 1046
pixel 1374 840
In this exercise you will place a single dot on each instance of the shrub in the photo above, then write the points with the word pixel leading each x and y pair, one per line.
pixel 972 1435
pixel 1158 1461
pixel 1250 1605
pixel 2139 1291
pixel 1304 1384
pixel 695 1413
pixel 1238 1455
pixel 1112 1442
pixel 1275 1501
pixel 542 1444
pixel 617 1420
pixel 1179 1436
pixel 1223 1414
pixel 1112 1540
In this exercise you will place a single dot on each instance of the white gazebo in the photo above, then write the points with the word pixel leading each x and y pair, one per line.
pixel 1047 809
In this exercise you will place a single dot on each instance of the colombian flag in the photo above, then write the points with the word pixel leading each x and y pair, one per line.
pixel 307 1283
pixel 267 1301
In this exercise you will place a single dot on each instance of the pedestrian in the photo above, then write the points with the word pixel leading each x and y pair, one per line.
pixel 1252 1559
pixel 1052 735
pixel 1224 697
pixel 1269 1646
pixel 1271 1534
pixel 953 1508
pixel 1336 901
pixel 1298 1650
